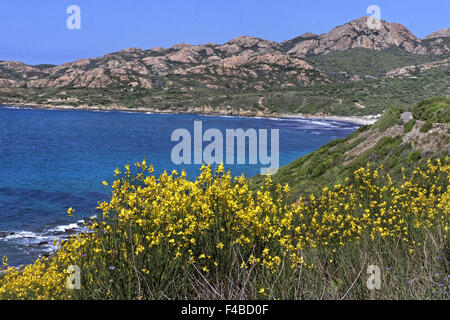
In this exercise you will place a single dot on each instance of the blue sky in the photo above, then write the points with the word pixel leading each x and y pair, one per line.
pixel 34 31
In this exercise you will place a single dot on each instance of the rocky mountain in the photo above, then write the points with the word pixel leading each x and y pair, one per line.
pixel 357 34
pixel 266 63
pixel 232 64
pixel 237 73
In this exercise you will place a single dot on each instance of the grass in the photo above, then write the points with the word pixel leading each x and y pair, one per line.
pixel 389 119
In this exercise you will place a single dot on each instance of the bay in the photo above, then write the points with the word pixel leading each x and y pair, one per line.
pixel 51 160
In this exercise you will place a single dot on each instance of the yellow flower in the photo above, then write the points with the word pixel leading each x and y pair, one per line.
pixel 139 249
pixel 172 221
pixel 70 211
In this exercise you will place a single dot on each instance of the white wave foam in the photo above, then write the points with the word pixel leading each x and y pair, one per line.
pixel 321 123
pixel 21 235
pixel 65 228
pixel 42 243
pixel 16 108
pixel 45 237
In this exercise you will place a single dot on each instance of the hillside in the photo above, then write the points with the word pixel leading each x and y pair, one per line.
pixel 349 70
pixel 363 63
pixel 402 140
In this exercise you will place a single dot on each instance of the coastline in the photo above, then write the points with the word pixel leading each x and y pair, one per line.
pixel 359 120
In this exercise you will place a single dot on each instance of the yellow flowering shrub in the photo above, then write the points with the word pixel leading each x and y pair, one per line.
pixel 168 237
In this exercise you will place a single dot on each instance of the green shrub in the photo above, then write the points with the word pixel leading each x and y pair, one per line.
pixel 394 162
pixel 387 144
pixel 426 126
pixel 434 110
pixel 410 125
pixel 389 119
pixel 414 156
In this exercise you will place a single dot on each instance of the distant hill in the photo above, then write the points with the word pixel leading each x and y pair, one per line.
pixel 247 75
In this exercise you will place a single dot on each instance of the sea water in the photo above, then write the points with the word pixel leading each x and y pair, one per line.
pixel 51 160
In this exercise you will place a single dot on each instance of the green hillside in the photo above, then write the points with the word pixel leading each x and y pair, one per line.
pixel 398 145
pixel 372 96
pixel 368 62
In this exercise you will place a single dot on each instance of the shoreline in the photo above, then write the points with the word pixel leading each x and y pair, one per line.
pixel 359 120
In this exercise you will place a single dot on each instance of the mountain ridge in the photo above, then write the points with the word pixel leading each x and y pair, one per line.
pixel 192 76
pixel 181 57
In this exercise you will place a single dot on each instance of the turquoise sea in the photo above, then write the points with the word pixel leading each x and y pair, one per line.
pixel 51 160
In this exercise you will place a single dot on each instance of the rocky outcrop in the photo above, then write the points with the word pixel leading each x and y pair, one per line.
pixel 406 117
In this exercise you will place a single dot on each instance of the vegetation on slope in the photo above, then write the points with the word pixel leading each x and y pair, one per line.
pixel 339 98
pixel 368 62
pixel 400 147
pixel 434 110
